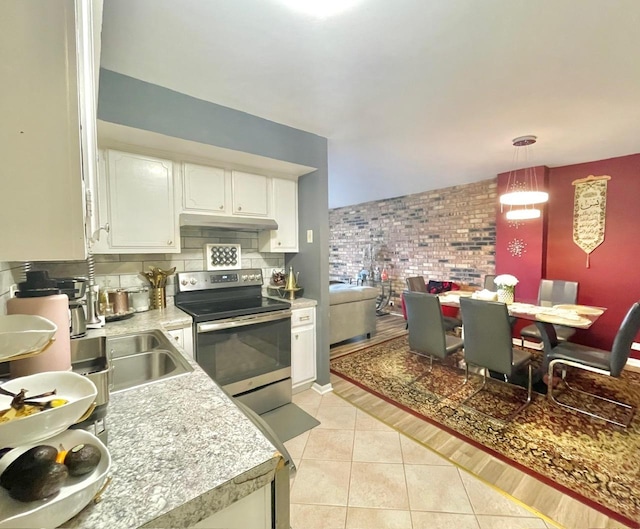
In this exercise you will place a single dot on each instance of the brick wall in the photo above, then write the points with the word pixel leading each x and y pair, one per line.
pixel 446 234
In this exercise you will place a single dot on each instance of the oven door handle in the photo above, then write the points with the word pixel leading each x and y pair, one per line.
pixel 242 321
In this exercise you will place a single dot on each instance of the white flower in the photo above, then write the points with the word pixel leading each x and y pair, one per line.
pixel 506 280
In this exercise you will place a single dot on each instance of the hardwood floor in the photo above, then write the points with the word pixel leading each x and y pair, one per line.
pixel 541 499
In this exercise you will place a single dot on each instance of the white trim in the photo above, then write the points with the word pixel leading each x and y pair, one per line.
pixel 633 362
pixel 531 345
pixel 323 390
pixel 635 346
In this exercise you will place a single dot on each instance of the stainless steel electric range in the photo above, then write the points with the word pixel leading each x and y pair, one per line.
pixel 242 340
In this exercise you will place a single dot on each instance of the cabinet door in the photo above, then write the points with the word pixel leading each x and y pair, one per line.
pixel 178 336
pixel 184 338
pixel 303 346
pixel 250 194
pixel 285 205
pixel 140 204
pixel 284 199
pixel 250 512
pixel 205 189
pixel 48 115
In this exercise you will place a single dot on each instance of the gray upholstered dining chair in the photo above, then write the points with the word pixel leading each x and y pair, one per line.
pixel 610 363
pixel 488 344
pixel 489 283
pixel 427 334
pixel 417 284
pixel 553 292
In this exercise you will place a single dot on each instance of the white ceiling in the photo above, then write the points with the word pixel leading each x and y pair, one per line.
pixel 413 95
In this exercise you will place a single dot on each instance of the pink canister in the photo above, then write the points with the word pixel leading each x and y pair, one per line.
pixel 40 296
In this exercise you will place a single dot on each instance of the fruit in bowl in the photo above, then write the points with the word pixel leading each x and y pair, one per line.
pixel 65 497
pixel 41 471
pixel 74 392
pixel 278 278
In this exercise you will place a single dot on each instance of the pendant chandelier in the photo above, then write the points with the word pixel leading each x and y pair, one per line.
pixel 522 191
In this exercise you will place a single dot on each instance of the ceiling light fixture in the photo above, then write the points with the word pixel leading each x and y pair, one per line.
pixel 320 8
pixel 523 214
pixel 523 191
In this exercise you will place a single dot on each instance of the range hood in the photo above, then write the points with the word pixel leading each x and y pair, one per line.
pixel 229 223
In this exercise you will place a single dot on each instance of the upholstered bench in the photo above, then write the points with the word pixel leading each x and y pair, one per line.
pixel 352 311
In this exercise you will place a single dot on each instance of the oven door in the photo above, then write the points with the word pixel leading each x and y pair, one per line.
pixel 248 352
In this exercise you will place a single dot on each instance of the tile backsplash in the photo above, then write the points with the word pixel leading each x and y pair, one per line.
pixel 10 273
pixel 124 270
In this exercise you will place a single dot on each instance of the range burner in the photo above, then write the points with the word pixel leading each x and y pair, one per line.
pixel 214 295
pixel 216 310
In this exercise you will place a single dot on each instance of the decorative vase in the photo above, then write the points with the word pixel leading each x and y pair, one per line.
pixel 158 298
pixel 506 294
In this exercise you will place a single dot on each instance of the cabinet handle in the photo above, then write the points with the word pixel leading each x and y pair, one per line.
pixel 279 243
pixel 222 206
pixel 304 318
pixel 169 243
pixel 239 208
pixel 296 336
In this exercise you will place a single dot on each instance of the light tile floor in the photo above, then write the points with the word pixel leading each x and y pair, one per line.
pixel 355 472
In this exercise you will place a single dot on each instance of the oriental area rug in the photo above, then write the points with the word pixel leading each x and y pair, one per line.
pixel 596 463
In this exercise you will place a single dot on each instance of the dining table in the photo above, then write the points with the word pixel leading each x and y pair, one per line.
pixel 544 317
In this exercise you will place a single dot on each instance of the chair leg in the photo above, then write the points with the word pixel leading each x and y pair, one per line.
pixel 484 382
pixel 529 395
pixel 550 393
pixel 420 377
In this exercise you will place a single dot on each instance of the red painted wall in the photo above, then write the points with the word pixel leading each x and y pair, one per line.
pixel 613 278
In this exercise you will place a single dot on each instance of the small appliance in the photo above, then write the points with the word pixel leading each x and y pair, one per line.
pixel 75 288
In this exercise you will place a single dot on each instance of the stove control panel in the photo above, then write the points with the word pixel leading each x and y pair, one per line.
pixel 207 280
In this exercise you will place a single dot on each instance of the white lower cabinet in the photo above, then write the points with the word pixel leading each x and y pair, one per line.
pixel 303 347
pixel 184 338
pixel 251 512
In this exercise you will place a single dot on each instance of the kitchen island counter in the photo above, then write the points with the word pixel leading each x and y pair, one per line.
pixel 181 448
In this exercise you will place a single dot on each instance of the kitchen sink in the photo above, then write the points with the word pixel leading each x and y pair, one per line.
pixel 144 358
pixel 128 344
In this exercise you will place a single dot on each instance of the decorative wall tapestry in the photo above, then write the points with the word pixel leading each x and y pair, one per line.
pixel 589 212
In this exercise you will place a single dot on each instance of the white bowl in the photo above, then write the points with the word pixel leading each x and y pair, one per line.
pixel 76 493
pixel 22 334
pixel 77 389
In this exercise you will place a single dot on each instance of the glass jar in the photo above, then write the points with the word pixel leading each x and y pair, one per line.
pixel 138 298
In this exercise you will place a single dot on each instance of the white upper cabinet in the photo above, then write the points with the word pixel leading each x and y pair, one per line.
pixel 137 205
pixel 250 194
pixel 48 127
pixel 284 208
pixel 205 189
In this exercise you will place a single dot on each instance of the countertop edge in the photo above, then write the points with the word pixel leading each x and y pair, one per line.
pixel 220 496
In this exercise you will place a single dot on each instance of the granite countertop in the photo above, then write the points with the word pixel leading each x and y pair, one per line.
pixel 298 303
pixel 181 449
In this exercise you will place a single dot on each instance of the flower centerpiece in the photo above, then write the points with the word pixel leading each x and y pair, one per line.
pixel 506 284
